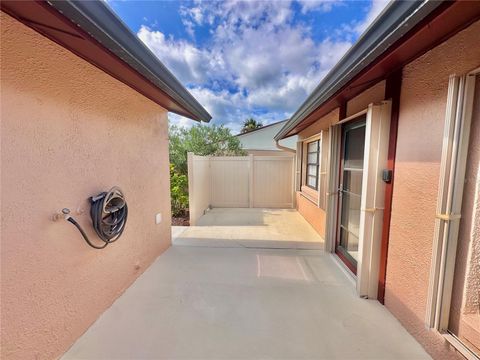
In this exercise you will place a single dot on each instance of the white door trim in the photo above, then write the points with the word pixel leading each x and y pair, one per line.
pixel 373 193
pixel 334 140
pixel 373 198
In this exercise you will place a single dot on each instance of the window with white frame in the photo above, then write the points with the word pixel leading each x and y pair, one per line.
pixel 314 169
pixel 313 162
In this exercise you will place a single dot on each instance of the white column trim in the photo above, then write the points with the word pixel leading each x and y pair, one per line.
pixel 334 135
pixel 450 193
pixel 373 198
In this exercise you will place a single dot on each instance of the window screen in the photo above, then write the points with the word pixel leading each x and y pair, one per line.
pixel 313 150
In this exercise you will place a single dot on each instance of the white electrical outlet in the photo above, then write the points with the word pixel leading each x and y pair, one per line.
pixel 158 218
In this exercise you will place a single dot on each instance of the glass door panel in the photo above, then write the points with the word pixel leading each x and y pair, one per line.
pixel 350 192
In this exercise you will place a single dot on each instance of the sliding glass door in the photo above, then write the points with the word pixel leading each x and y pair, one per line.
pixel 350 192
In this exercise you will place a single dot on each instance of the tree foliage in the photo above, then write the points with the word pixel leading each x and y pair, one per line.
pixel 250 124
pixel 201 140
pixel 178 192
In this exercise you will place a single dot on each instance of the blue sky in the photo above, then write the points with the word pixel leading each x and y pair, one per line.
pixel 243 59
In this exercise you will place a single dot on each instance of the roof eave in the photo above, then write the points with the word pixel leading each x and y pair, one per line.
pixel 262 128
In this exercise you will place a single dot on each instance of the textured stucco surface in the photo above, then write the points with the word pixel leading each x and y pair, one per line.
pixel 312 213
pixel 321 124
pixel 373 94
pixel 69 131
pixel 422 113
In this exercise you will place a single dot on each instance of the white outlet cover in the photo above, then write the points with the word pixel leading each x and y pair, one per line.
pixel 158 218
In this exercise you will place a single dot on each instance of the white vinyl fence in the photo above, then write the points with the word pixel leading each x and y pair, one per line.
pixel 239 181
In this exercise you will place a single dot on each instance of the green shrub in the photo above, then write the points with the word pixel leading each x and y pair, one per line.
pixel 201 140
pixel 178 192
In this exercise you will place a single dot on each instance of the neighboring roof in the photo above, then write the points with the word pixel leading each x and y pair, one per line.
pixel 263 138
pixel 92 31
pixel 402 32
pixel 262 128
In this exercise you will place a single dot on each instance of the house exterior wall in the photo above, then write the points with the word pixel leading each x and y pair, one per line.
pixel 419 145
pixel 306 207
pixel 314 215
pixel 70 131
pixel 321 124
pixel 374 94
pixel 417 165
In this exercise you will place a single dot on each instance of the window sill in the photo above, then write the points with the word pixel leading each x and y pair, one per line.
pixel 308 197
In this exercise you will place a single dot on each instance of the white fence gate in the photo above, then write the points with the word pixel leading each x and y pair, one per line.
pixel 229 181
pixel 239 181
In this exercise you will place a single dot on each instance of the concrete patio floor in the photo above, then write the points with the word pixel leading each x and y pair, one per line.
pixel 243 227
pixel 238 303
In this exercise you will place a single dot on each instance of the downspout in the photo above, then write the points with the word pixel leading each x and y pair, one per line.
pixel 284 148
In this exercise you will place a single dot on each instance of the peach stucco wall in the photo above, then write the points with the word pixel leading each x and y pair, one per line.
pixel 308 209
pixel 373 94
pixel 312 213
pixel 420 131
pixel 69 131
pixel 321 124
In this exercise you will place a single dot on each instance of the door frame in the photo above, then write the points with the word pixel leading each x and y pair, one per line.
pixel 373 194
pixel 354 123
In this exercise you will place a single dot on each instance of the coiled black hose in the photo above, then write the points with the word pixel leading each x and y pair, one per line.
pixel 109 212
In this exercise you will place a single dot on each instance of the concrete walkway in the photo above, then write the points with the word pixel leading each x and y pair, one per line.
pixel 237 303
pixel 256 228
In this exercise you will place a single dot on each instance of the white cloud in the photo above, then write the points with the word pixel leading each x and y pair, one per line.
pixel 180 121
pixel 189 63
pixel 197 14
pixel 258 59
pixel 375 9
pixel 318 5
pixel 247 13
pixel 221 104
